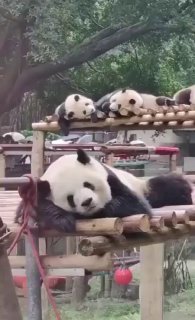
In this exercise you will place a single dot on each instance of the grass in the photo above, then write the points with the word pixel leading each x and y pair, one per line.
pixel 102 309
pixel 177 307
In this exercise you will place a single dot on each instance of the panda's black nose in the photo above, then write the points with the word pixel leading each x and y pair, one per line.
pixel 87 202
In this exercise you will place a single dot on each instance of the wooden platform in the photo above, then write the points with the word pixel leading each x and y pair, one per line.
pixel 167 223
pixel 177 117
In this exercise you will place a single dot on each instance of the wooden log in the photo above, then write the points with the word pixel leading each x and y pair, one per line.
pixel 99 245
pixel 182 216
pixel 191 214
pixel 157 223
pixel 136 223
pixel 94 227
pixel 170 218
pixel 92 263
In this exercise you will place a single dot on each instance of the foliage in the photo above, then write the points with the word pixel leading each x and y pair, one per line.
pixel 73 44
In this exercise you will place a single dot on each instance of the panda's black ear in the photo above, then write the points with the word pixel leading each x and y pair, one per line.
pixel 76 97
pixel 123 90
pixel 43 188
pixel 82 157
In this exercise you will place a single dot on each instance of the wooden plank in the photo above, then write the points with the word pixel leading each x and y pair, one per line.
pixel 71 272
pixel 152 282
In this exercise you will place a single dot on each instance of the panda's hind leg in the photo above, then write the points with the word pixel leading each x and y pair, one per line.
pixel 125 202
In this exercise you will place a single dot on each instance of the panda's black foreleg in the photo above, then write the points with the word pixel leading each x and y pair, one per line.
pixel 50 216
pixel 124 201
pixel 64 125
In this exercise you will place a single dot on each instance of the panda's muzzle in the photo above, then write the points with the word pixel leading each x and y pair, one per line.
pixel 87 202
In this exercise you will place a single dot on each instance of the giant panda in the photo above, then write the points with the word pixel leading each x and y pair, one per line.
pixel 78 186
pixel 154 104
pixel 74 107
pixel 185 96
pixel 125 102
pixel 130 101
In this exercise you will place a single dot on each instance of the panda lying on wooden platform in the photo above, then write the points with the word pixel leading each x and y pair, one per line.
pixel 77 186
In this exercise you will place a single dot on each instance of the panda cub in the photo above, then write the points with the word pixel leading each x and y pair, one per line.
pixel 129 101
pixel 125 102
pixel 185 96
pixel 74 107
pixel 77 186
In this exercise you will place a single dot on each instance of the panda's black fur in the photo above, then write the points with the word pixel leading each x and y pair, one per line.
pixel 168 190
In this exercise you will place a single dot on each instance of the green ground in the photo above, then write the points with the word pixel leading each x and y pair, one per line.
pixel 178 307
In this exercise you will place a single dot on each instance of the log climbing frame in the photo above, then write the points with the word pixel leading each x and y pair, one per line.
pixel 100 237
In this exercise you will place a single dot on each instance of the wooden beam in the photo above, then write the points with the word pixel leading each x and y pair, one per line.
pixel 69 272
pixel 9 306
pixel 92 263
pixel 100 245
pixel 151 282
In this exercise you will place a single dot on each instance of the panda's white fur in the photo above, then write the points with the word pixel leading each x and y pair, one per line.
pixel 68 169
pixel 125 101
pixel 185 96
pixel 76 106
pixel 149 102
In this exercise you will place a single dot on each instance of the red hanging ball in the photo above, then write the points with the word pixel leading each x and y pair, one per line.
pixel 123 276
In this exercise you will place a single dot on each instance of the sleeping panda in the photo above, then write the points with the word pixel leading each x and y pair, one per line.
pixel 129 101
pixel 153 103
pixel 185 96
pixel 77 186
pixel 74 107
pixel 103 106
pixel 125 102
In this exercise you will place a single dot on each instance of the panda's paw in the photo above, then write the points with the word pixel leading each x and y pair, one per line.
pixel 94 117
pixel 66 224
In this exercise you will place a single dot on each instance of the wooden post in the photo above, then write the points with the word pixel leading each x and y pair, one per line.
pixel 2 167
pixel 70 249
pixel 152 282
pixel 33 276
pixel 9 306
pixel 173 162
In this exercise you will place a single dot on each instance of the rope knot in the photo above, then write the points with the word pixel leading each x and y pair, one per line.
pixel 28 192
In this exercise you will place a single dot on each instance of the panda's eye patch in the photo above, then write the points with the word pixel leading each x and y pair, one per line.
pixel 87 103
pixel 132 101
pixel 84 112
pixel 119 105
pixel 70 199
pixel 70 114
pixel 89 185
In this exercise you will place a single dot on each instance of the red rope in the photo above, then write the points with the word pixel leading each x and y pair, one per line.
pixel 29 195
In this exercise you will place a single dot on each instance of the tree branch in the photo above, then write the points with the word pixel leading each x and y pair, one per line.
pixel 90 49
